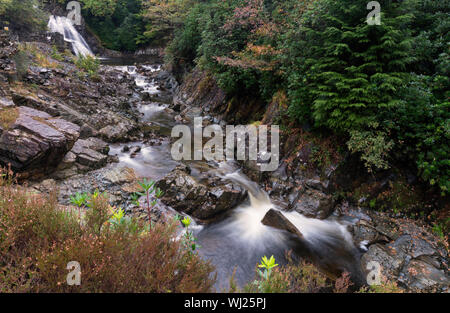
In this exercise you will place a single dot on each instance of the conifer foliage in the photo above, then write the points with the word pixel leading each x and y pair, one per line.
pixel 383 88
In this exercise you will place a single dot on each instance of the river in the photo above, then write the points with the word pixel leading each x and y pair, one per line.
pixel 238 242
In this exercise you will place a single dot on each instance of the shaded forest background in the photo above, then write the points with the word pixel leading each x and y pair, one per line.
pixel 383 88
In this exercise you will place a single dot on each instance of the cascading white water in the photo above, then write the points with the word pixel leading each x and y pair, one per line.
pixel 241 240
pixel 142 81
pixel 314 231
pixel 64 26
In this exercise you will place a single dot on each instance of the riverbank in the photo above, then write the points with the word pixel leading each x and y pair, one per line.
pixel 79 134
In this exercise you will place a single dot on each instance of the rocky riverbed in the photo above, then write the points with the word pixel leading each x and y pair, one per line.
pixel 65 131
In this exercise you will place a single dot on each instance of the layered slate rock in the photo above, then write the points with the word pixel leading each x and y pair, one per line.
pixel 407 252
pixel 202 200
pixel 116 132
pixel 276 219
pixel 86 154
pixel 313 203
pixel 36 143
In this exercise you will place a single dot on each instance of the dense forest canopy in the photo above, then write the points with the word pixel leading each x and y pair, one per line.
pixel 384 88
pixel 358 115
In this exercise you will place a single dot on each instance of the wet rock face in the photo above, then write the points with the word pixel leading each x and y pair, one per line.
pixel 119 183
pixel 276 219
pixel 35 143
pixel 313 203
pixel 407 253
pixel 202 200
pixel 199 89
pixel 87 156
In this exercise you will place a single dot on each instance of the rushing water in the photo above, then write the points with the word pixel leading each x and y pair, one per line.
pixel 148 86
pixel 238 242
pixel 64 26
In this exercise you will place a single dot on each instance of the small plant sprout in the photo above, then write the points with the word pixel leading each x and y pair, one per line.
pixel 186 222
pixel 148 189
pixel 95 194
pixel 120 222
pixel 79 199
pixel 118 215
pixel 189 241
pixel 267 264
pixel 135 198
pixel 91 198
pixel 265 276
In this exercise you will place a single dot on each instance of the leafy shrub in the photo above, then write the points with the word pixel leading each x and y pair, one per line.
pixel 56 55
pixel 89 64
pixel 117 23
pixel 30 53
pixel 293 278
pixel 122 262
pixel 23 15
pixel 8 116
pixel 441 228
pixel 38 239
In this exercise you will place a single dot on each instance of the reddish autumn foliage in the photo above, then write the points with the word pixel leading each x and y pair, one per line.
pixel 38 239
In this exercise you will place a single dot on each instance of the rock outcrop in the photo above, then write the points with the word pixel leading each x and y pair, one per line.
pixel 313 203
pixel 276 219
pixel 199 89
pixel 35 142
pixel 407 252
pixel 86 154
pixel 202 200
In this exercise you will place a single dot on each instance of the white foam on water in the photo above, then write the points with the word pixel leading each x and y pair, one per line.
pixel 64 26
pixel 247 219
pixel 150 87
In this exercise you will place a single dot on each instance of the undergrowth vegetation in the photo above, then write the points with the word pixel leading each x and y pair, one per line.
pixel 89 64
pixel 38 238
pixel 383 88
pixel 8 116
pixel 118 253
pixel 304 277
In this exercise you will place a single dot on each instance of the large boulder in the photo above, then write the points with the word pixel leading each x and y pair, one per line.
pixel 117 132
pixel 313 203
pixel 419 274
pixel 408 253
pixel 86 154
pixel 276 219
pixel 35 143
pixel 202 200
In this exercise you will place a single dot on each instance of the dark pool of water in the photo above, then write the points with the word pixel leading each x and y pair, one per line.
pixel 130 60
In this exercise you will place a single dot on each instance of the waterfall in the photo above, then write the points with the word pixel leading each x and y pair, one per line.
pixel 316 232
pixel 64 26
pixel 242 239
